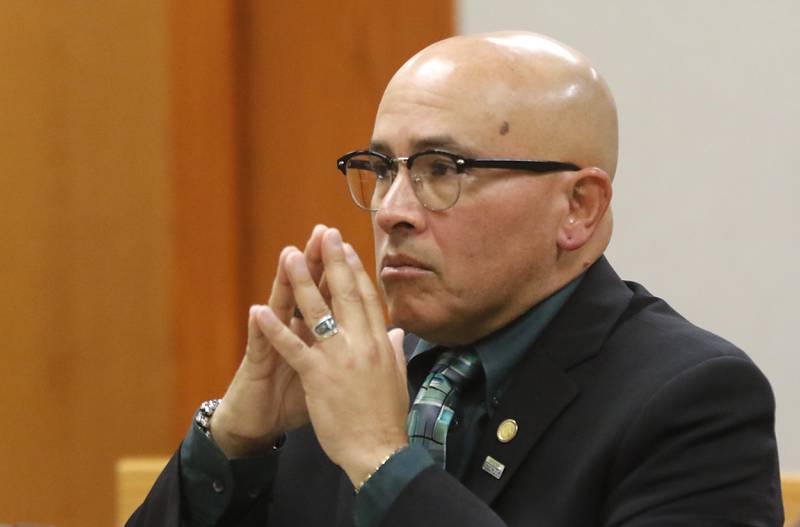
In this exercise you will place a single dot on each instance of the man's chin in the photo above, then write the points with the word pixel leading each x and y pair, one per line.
pixel 408 317
pixel 419 320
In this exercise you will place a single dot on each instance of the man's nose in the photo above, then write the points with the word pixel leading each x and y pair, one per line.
pixel 400 207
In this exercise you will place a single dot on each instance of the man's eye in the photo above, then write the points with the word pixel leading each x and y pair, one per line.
pixel 440 169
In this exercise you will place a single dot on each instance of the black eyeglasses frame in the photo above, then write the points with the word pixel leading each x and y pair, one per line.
pixel 461 163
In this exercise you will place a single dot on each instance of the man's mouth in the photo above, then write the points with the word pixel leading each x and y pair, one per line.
pixel 402 265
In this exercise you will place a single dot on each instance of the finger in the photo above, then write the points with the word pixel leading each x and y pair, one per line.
pixel 369 296
pixel 324 290
pixel 345 295
pixel 299 328
pixel 256 342
pixel 281 299
pixel 291 348
pixel 313 253
pixel 305 291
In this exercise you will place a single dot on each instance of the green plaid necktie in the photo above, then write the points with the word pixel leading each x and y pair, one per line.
pixel 432 411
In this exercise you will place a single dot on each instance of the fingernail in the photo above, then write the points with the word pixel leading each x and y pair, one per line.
pixel 350 252
pixel 336 237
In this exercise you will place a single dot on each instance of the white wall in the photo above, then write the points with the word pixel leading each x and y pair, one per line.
pixel 706 193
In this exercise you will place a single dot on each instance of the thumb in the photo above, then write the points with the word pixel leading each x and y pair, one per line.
pixel 396 338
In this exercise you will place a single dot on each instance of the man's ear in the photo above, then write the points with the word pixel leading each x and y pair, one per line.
pixel 588 194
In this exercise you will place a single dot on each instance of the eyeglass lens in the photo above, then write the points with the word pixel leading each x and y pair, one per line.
pixel 435 179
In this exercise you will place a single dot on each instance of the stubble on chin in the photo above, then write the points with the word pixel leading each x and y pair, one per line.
pixel 401 307
pixel 416 315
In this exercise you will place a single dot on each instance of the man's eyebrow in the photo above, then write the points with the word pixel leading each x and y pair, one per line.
pixel 377 146
pixel 443 142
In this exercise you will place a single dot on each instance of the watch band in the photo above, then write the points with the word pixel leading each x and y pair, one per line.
pixel 203 416
pixel 203 420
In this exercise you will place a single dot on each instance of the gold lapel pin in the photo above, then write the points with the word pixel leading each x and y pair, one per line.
pixel 493 467
pixel 507 430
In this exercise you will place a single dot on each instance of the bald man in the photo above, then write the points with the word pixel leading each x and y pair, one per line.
pixel 543 390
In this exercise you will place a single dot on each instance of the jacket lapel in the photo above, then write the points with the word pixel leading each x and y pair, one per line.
pixel 541 388
pixel 533 411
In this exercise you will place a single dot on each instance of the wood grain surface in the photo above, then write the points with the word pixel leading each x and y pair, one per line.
pixel 154 159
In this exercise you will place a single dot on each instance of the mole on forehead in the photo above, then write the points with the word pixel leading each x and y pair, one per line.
pixel 504 128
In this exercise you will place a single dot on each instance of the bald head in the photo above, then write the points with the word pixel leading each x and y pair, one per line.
pixel 513 237
pixel 531 90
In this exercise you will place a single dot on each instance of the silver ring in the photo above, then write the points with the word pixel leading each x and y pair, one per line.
pixel 326 328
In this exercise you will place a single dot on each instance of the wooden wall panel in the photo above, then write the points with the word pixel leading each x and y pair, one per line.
pixel 306 83
pixel 315 77
pixel 155 158
pixel 84 251
pixel 207 234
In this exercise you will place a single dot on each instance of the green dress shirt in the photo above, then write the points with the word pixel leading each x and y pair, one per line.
pixel 215 488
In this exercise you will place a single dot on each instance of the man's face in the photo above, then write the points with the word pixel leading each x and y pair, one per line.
pixel 456 275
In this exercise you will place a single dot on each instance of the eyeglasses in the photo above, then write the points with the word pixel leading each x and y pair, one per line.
pixel 434 174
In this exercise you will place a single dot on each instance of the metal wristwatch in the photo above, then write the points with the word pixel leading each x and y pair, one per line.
pixel 203 415
pixel 203 420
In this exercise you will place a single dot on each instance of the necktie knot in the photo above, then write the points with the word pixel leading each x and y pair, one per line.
pixel 459 367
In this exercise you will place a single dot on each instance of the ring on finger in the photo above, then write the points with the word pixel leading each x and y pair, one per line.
pixel 326 328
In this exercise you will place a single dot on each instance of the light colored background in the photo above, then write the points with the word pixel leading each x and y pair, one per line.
pixel 705 197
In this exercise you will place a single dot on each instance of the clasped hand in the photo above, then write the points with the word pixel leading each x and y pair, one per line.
pixel 351 386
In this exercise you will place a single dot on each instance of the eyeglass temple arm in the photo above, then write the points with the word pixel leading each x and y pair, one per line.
pixel 520 164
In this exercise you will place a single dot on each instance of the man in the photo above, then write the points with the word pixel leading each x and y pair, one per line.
pixel 546 390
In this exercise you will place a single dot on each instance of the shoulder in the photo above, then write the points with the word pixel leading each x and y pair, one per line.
pixel 694 415
pixel 651 331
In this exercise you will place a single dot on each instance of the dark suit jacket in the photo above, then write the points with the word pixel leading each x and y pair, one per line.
pixel 628 416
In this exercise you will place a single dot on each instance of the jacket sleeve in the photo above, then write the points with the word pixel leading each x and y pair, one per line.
pixel 200 487
pixel 162 507
pixel 437 498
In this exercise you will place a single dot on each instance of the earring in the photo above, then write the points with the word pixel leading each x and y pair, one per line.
pixel 571 221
